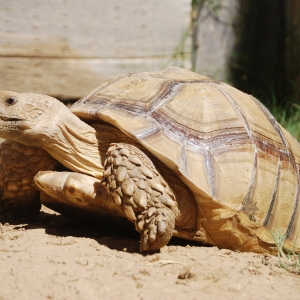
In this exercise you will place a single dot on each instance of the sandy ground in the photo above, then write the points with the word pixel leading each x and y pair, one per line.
pixel 58 258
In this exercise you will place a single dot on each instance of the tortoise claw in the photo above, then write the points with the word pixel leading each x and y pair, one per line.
pixel 156 228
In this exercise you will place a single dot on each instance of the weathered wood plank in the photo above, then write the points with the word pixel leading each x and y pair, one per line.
pixel 69 78
pixel 215 38
pixel 92 29
pixel 65 48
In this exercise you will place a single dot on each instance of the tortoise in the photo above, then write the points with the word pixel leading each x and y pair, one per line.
pixel 173 152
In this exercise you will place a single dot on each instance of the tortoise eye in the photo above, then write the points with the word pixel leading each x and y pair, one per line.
pixel 10 101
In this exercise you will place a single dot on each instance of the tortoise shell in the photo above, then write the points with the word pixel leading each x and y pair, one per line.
pixel 240 164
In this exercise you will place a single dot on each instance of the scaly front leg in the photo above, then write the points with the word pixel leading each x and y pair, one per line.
pixel 143 195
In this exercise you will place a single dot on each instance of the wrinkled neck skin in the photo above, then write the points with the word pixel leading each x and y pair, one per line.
pixel 74 144
pixel 65 137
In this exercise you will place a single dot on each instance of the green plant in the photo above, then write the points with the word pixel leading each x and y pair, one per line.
pixel 286 113
pixel 214 5
pixel 288 260
pixel 181 52
pixel 288 117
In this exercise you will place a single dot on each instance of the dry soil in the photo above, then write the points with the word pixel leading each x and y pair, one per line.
pixel 58 258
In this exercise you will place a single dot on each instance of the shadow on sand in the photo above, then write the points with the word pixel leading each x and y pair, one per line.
pixel 112 236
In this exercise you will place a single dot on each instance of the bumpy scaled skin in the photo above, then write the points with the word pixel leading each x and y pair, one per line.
pixel 18 166
pixel 144 196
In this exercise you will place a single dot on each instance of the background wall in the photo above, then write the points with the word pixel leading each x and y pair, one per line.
pixel 65 48
pixel 214 37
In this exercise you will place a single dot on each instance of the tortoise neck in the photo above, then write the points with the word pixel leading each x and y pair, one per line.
pixel 75 145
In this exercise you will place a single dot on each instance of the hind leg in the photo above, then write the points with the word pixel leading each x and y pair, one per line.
pixel 79 196
pixel 143 195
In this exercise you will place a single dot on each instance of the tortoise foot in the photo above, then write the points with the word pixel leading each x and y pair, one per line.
pixel 143 195
pixel 156 228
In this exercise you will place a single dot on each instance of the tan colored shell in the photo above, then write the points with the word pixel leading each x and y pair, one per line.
pixel 240 164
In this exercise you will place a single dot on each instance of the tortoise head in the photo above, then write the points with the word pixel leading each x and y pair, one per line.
pixel 26 117
pixel 43 121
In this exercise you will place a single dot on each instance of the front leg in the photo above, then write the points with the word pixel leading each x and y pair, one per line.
pixel 143 195
pixel 18 166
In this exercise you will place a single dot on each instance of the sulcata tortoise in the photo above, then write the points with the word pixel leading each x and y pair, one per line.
pixel 173 152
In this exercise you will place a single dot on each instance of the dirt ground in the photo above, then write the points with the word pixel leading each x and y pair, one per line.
pixel 58 258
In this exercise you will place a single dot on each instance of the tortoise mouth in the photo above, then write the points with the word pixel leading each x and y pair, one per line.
pixel 5 118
